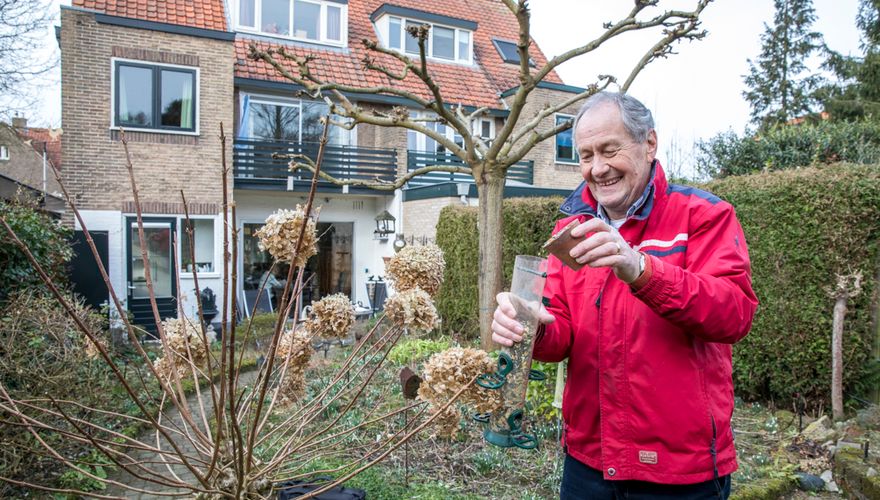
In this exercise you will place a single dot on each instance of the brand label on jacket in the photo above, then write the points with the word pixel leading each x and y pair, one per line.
pixel 647 457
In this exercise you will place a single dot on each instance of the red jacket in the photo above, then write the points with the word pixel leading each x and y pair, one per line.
pixel 650 394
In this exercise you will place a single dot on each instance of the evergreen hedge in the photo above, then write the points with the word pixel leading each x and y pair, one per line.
pixel 786 146
pixel 802 227
pixel 527 224
pixel 44 236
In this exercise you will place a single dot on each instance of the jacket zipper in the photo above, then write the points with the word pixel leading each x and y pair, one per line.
pixel 601 399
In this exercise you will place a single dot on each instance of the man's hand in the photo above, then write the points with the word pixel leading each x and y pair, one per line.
pixel 605 248
pixel 505 328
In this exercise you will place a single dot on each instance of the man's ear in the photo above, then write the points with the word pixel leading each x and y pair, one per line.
pixel 651 143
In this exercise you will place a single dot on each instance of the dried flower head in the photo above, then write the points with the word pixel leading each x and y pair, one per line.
pixel 412 309
pixel 446 372
pixel 332 317
pixel 278 236
pixel 446 424
pixel 295 348
pixel 183 338
pixel 417 267
pixel 296 345
pixel 91 350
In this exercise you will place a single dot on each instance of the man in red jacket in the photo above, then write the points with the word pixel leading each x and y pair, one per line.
pixel 647 324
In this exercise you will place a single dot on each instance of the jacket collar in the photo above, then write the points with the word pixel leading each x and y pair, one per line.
pixel 582 202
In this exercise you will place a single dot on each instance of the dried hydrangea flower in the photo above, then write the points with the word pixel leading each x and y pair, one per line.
pixel 417 267
pixel 180 333
pixel 278 236
pixel 332 317
pixel 412 309
pixel 295 344
pixel 295 348
pixel 446 372
pixel 446 424
pixel 91 350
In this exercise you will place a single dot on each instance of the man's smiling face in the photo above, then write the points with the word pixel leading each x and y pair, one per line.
pixel 615 166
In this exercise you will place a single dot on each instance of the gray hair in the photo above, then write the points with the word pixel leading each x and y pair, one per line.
pixel 637 119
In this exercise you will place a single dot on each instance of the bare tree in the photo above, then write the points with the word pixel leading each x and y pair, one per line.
pixel 487 161
pixel 23 29
pixel 847 287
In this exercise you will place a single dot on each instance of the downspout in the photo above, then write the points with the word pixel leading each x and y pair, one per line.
pixel 45 190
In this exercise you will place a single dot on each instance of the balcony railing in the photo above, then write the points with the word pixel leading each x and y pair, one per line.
pixel 252 159
pixel 522 172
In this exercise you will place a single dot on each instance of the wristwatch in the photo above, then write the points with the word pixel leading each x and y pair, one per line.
pixel 641 265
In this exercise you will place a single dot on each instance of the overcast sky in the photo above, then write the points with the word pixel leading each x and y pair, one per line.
pixel 694 94
pixel 697 92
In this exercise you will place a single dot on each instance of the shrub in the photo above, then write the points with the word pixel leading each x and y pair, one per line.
pixel 802 227
pixel 788 146
pixel 42 352
pixel 262 325
pixel 46 239
pixel 527 224
pixel 414 350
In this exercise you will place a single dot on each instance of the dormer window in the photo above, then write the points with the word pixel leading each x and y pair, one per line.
pixel 319 21
pixel 449 39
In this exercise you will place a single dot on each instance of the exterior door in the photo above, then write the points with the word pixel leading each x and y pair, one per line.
pixel 158 233
pixel 84 274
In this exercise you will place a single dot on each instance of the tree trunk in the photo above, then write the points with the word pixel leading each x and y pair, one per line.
pixel 490 189
pixel 837 358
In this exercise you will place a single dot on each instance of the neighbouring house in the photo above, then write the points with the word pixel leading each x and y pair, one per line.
pixel 27 157
pixel 169 73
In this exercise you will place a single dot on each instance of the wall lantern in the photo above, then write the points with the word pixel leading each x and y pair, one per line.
pixel 385 225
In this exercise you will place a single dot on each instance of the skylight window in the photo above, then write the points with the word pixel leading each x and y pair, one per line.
pixel 508 51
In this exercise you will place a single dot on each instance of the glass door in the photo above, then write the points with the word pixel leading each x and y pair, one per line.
pixel 160 259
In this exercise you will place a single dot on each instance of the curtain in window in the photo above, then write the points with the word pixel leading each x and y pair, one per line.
pixel 334 23
pixel 246 13
pixel 123 96
pixel 186 105
pixel 243 116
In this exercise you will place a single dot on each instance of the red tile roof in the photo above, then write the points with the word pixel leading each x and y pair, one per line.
pixel 477 85
pixel 206 14
pixel 38 136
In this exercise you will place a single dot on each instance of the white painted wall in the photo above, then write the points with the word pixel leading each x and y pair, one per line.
pixel 254 207
pixel 367 252
pixel 114 223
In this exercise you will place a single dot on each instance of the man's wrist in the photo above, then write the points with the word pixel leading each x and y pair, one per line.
pixel 645 272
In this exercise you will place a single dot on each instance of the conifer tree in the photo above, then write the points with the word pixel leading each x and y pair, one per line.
pixel 856 94
pixel 779 85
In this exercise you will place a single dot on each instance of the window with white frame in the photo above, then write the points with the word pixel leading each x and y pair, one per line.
pixel 201 247
pixel 152 96
pixel 444 43
pixel 309 20
pixel 416 141
pixel 284 119
pixel 4 153
pixel 484 128
pixel 565 152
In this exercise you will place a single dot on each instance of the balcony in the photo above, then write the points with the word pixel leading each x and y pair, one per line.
pixel 520 172
pixel 254 167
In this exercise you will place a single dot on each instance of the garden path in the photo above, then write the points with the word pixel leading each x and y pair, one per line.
pixel 186 446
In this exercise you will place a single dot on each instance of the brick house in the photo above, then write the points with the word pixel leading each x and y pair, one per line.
pixel 170 72
pixel 27 155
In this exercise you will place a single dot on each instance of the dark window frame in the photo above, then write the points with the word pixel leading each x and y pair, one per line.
pixel 156 98
pixel 558 159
